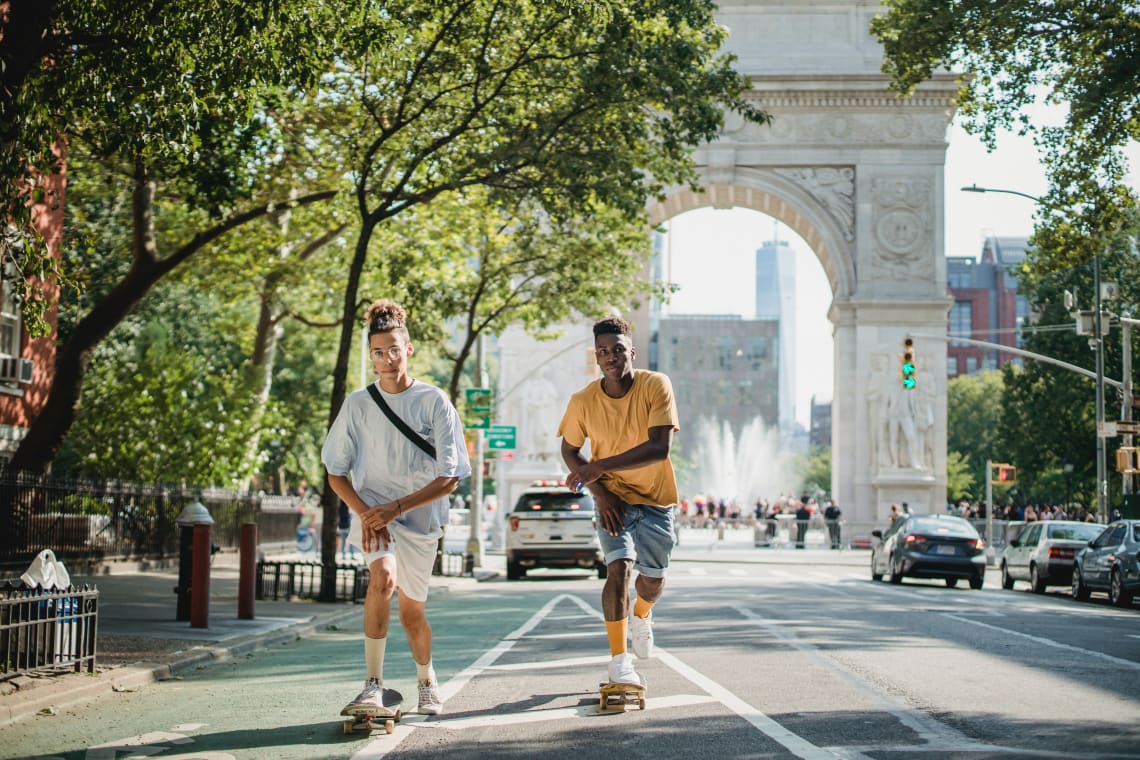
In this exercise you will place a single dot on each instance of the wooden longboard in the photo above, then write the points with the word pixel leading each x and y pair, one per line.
pixel 369 717
pixel 617 697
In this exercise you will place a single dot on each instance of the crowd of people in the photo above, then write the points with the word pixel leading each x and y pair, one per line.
pixel 1025 513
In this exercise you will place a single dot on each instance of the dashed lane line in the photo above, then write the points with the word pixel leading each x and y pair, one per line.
pixel 1118 661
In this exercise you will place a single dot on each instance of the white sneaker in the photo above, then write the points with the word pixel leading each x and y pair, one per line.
pixel 371 696
pixel 641 635
pixel 429 699
pixel 621 669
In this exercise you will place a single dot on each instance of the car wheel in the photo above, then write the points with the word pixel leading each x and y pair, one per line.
pixel 1117 594
pixel 1035 581
pixel 1006 578
pixel 876 576
pixel 896 573
pixel 603 571
pixel 977 581
pixel 1080 590
pixel 951 582
pixel 515 571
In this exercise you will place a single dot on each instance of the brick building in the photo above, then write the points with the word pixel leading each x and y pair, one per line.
pixel 987 305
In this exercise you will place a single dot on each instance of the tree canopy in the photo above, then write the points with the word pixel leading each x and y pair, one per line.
pixel 1078 55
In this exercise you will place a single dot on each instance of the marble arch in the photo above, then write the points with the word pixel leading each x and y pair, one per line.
pixel 858 173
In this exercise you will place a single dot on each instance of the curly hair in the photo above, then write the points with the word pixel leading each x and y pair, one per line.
pixel 385 316
pixel 612 326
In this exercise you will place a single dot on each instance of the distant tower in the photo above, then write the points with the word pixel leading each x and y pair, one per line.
pixel 776 299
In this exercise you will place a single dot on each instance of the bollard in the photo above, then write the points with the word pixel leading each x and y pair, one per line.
pixel 720 530
pixel 247 571
pixel 200 578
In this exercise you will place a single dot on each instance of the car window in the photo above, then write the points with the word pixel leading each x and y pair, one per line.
pixel 1112 535
pixel 1074 532
pixel 1030 535
pixel 555 502
pixel 943 525
pixel 1136 532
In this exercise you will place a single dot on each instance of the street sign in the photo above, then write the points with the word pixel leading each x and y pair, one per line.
pixel 478 409
pixel 478 400
pixel 1106 429
pixel 501 437
pixel 1128 427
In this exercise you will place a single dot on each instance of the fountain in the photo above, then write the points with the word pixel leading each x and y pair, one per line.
pixel 747 469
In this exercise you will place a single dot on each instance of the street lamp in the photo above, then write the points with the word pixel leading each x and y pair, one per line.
pixel 1098 347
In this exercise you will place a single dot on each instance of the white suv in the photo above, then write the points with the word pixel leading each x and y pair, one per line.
pixel 551 526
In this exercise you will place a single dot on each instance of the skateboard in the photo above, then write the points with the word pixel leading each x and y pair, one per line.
pixel 619 696
pixel 368 717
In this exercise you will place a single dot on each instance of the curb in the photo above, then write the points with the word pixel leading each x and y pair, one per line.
pixel 76 687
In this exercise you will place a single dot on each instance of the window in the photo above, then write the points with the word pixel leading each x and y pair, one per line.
pixel 951 366
pixel 971 365
pixel 962 318
pixel 9 319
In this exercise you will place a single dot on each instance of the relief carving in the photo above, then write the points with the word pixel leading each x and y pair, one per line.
pixel 834 187
pixel 902 229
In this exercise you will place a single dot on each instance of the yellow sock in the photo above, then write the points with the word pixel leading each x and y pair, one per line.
pixel 641 607
pixel 617 632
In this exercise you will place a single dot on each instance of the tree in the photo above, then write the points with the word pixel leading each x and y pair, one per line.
pixel 1077 54
pixel 577 106
pixel 483 267
pixel 1049 414
pixel 973 416
pixel 157 88
pixel 960 480
pixel 815 470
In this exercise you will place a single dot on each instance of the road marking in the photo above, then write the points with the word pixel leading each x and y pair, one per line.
pixel 698 571
pixel 570 635
pixel 794 743
pixel 1049 642
pixel 377 748
pixel 929 729
pixel 737 572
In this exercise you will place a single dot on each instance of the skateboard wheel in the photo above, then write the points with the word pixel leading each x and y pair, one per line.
pixel 389 726
pixel 348 726
pixel 605 702
pixel 641 704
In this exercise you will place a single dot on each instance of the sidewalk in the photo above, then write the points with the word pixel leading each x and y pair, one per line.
pixel 139 641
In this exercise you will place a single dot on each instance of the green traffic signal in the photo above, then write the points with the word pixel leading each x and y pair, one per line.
pixel 907 368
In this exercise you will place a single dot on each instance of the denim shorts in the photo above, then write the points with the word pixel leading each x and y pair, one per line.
pixel 646 537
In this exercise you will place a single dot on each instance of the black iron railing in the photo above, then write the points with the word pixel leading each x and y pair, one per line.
pixel 47 630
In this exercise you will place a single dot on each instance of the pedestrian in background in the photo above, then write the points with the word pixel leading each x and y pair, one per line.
pixel 832 515
pixel 629 417
pixel 401 441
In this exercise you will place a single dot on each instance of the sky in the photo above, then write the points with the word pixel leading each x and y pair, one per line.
pixel 700 268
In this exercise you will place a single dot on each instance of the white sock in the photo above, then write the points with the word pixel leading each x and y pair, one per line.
pixel 374 657
pixel 425 672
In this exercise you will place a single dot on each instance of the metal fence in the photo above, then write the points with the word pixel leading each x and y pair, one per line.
pixel 96 520
pixel 47 630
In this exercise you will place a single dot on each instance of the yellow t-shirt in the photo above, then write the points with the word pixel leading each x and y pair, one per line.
pixel 616 425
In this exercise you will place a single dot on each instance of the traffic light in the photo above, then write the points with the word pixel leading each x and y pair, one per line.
pixel 1127 459
pixel 1006 474
pixel 906 369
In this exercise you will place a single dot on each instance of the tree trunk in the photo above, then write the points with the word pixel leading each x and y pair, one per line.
pixel 329 500
pixel 47 431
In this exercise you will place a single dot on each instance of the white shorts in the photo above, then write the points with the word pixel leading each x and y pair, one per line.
pixel 414 553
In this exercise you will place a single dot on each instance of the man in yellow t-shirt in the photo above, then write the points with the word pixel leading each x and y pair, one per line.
pixel 629 417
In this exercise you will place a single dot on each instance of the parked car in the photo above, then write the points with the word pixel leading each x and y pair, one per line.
pixel 1043 553
pixel 552 526
pixel 1110 562
pixel 930 546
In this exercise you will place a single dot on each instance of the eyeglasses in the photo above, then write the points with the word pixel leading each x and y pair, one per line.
pixel 394 353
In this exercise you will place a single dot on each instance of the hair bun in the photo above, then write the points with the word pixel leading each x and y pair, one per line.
pixel 385 314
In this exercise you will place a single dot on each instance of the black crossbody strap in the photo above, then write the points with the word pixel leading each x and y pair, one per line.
pixel 411 435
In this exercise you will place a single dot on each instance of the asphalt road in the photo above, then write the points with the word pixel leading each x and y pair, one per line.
pixel 755 661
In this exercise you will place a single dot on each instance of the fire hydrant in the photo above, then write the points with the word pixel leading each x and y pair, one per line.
pixel 194 549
